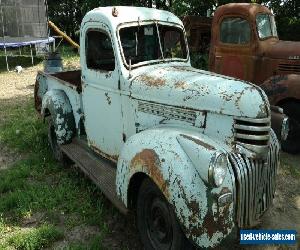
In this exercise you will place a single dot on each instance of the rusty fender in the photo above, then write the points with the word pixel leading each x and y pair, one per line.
pixel 178 161
pixel 56 103
pixel 280 87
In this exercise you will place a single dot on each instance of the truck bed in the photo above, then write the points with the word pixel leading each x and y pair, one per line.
pixel 66 80
pixel 70 77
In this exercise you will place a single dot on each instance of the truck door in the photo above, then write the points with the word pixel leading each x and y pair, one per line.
pixel 233 49
pixel 101 95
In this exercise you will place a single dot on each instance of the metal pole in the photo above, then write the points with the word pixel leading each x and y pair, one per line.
pixel 31 55
pixel 3 32
pixel 6 59
pixel 48 29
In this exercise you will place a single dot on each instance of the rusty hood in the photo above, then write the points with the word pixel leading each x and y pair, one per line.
pixel 185 86
pixel 283 50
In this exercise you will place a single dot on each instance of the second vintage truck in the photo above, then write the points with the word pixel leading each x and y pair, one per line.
pixel 243 42
pixel 189 151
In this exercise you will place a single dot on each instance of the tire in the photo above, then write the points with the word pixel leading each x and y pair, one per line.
pixel 58 154
pixel 292 143
pixel 156 220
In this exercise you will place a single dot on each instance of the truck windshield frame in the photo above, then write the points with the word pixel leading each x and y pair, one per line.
pixel 155 49
pixel 266 26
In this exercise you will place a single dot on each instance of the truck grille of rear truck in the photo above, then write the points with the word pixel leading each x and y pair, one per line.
pixel 289 68
pixel 254 184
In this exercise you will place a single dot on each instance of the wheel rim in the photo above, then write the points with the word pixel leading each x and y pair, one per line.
pixel 159 224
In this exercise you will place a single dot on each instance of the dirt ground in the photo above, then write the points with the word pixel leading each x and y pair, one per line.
pixel 285 213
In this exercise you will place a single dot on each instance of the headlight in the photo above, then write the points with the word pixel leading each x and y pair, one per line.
pixel 218 169
pixel 285 129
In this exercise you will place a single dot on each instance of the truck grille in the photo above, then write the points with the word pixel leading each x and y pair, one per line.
pixel 254 184
pixel 253 133
pixel 290 68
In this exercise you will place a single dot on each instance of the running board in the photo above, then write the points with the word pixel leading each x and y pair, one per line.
pixel 99 170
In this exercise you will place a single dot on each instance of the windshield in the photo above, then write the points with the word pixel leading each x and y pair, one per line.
pixel 266 26
pixel 142 43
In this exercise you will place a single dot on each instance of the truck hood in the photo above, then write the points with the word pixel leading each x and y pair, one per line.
pixel 184 86
pixel 283 50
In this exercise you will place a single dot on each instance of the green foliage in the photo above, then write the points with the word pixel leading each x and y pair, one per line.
pixel 35 239
pixel 199 61
pixel 69 13
pixel 37 184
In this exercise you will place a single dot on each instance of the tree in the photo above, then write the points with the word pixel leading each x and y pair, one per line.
pixel 68 14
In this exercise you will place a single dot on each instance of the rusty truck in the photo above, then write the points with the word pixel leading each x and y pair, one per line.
pixel 244 44
pixel 191 153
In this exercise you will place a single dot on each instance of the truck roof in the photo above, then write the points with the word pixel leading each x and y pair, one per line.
pixel 116 15
pixel 240 8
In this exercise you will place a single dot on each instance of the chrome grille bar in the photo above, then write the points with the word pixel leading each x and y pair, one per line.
pixel 253 134
pixel 255 184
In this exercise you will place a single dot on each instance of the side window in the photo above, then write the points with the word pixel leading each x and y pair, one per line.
pixel 99 51
pixel 235 30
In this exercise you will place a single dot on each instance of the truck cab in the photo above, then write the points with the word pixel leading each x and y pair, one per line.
pixel 245 45
pixel 190 152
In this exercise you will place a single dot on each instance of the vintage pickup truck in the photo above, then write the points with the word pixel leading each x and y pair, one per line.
pixel 191 152
pixel 243 43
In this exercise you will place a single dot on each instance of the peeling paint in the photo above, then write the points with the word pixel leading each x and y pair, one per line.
pixel 149 160
pixel 152 81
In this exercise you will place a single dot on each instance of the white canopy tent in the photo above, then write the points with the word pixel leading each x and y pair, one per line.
pixel 23 23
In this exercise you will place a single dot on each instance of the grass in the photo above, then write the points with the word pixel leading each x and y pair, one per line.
pixel 36 184
pixel 36 238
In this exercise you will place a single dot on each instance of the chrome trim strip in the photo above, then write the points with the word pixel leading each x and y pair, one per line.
pixel 253 137
pixel 254 120
pixel 252 128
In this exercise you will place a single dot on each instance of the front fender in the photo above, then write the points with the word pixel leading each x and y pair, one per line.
pixel 56 103
pixel 280 87
pixel 159 154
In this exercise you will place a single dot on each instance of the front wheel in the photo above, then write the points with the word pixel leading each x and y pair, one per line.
pixel 157 222
pixel 292 143
pixel 58 154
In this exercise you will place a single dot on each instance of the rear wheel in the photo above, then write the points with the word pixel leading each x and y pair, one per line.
pixel 292 143
pixel 157 222
pixel 58 154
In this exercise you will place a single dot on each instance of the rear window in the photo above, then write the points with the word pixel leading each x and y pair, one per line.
pixel 235 30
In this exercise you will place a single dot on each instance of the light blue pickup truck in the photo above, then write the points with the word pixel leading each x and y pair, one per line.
pixel 190 152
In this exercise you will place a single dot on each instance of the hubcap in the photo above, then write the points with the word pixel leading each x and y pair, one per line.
pixel 159 224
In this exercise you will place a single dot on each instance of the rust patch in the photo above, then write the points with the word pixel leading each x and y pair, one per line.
pixel 195 208
pixel 150 160
pixel 93 146
pixel 199 142
pixel 180 84
pixel 152 81
pixel 219 225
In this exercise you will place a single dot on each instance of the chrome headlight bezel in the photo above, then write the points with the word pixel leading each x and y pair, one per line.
pixel 218 169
